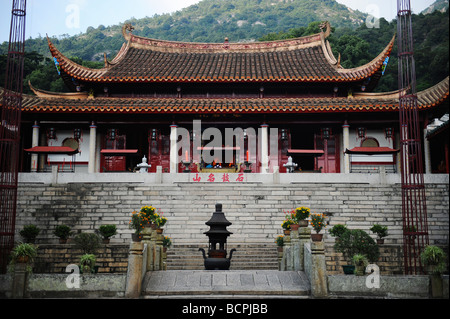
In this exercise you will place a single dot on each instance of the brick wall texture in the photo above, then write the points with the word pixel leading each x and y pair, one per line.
pixel 255 210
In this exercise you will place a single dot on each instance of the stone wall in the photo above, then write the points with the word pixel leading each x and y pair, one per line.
pixel 255 208
pixel 54 258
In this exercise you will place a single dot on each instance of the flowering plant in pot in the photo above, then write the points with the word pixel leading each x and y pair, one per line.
pixel 317 223
pixel 159 219
pixel 167 242
pixel 286 224
pixel 148 215
pixel 381 231
pixel 300 215
pixel 136 223
pixel 280 242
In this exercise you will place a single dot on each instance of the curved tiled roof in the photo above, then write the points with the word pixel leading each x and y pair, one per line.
pixel 368 103
pixel 305 59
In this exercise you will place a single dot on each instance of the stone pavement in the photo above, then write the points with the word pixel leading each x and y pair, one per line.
pixel 225 284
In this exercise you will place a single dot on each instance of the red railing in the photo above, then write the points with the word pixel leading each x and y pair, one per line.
pixel 414 208
pixel 11 105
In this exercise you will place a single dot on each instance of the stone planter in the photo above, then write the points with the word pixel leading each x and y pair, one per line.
pixel 303 223
pixel 295 226
pixel 348 269
pixel 136 238
pixel 286 232
pixel 316 237
pixel 280 249
pixel 159 231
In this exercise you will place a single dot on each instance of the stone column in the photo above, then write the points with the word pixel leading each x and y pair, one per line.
pixel 135 269
pixel 147 234
pixel 35 142
pixel 319 286
pixel 19 280
pixel 346 145
pixel 92 148
pixel 264 148
pixel 173 149
pixel 426 152
pixel 304 235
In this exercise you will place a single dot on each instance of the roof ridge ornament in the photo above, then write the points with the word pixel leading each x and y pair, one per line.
pixel 127 27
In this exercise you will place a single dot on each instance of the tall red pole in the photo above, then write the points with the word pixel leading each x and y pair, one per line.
pixel 414 209
pixel 11 107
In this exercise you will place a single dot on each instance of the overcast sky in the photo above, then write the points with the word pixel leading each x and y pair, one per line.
pixel 57 17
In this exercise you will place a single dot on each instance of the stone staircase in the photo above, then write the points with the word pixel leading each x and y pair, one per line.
pixel 246 257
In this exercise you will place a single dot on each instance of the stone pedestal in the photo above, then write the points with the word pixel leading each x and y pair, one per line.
pixel 148 238
pixel 319 286
pixel 304 235
pixel 19 280
pixel 135 270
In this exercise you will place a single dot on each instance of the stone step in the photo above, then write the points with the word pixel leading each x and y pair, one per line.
pixel 177 283
pixel 255 256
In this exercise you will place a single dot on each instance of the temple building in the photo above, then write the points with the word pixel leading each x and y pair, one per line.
pixel 327 118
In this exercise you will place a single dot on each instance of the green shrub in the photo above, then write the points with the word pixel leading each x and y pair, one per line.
pixel 381 231
pixel 29 233
pixel 434 258
pixel 107 231
pixel 338 230
pixel 62 231
pixel 87 242
pixel 357 241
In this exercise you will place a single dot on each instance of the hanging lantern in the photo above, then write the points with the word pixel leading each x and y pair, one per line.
pixel 111 134
pixel 388 132
pixel 51 133
pixel 361 132
pixel 77 133
pixel 284 135
pixel 325 133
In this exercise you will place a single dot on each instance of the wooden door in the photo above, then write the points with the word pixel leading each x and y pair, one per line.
pixel 114 163
pixel 329 162
pixel 159 150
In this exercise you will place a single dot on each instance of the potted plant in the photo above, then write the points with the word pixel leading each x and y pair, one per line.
pixel 338 230
pixel 167 242
pixel 24 253
pixel 286 225
pixel 63 232
pixel 136 223
pixel 280 242
pixel 300 215
pixel 434 259
pixel 87 264
pixel 107 231
pixel 88 243
pixel 360 261
pixel 29 233
pixel 159 221
pixel 148 216
pixel 356 241
pixel 317 223
pixel 381 231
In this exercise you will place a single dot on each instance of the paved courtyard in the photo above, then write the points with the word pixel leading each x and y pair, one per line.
pixel 231 283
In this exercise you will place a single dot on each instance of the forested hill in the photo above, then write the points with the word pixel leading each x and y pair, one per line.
pixel 254 20
pixel 207 21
